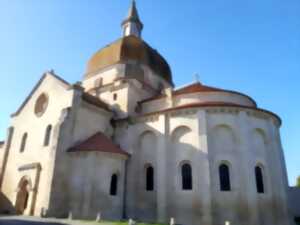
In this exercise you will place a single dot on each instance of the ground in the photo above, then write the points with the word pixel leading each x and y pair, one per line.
pixel 17 220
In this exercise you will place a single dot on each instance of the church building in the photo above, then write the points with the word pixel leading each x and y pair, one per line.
pixel 125 143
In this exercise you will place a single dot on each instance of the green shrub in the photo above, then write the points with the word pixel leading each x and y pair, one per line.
pixel 297 220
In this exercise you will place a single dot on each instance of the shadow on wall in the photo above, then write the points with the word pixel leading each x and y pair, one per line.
pixel 6 206
pixel 297 220
pixel 25 222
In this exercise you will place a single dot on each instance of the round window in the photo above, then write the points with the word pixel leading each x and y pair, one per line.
pixel 41 105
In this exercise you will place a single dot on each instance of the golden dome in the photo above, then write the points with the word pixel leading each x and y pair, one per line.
pixel 129 49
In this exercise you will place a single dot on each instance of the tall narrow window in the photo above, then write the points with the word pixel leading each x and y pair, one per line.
pixel 224 178
pixel 115 96
pixel 187 180
pixel 23 142
pixel 47 135
pixel 259 180
pixel 150 179
pixel 114 185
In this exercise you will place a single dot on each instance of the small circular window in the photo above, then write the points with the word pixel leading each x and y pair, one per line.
pixel 41 105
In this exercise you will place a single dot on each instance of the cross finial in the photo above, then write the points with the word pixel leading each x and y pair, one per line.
pixel 197 79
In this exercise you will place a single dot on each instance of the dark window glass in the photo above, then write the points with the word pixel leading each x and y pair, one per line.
pixel 114 185
pixel 115 97
pixel 187 180
pixel 150 179
pixel 47 135
pixel 259 180
pixel 224 178
pixel 23 143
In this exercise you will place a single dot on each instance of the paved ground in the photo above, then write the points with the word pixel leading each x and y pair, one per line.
pixel 17 220
pixel 27 221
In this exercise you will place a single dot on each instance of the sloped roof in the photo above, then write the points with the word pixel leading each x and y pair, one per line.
pixel 197 87
pixel 36 87
pixel 98 143
pixel 94 101
pixel 126 49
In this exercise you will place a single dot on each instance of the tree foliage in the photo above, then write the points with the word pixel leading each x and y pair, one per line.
pixel 298 182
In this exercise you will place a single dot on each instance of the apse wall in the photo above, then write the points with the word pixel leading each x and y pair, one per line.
pixel 246 142
pixel 249 146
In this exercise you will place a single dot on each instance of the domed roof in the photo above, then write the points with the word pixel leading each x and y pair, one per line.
pixel 129 49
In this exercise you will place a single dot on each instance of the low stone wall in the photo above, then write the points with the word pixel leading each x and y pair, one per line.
pixel 294 201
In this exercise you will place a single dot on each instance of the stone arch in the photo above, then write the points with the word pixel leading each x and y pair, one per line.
pixel 259 140
pixel 146 134
pixel 179 133
pixel 27 178
pixel 147 143
pixel 263 135
pixel 23 192
pixel 223 138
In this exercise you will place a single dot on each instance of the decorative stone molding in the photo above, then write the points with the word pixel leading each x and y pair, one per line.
pixel 30 166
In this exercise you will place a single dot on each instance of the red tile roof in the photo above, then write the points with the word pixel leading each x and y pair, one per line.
pixel 197 87
pixel 98 143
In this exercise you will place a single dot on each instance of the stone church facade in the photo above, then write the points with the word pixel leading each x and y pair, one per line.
pixel 127 144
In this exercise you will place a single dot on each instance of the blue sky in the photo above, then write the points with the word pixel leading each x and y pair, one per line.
pixel 249 46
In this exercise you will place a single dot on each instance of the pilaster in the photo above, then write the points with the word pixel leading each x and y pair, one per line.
pixel 280 180
pixel 203 170
pixel 162 147
pixel 247 192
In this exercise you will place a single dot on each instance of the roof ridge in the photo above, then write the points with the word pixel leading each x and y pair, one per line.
pixel 98 142
pixel 187 85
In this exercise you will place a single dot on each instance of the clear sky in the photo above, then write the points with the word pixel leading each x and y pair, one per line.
pixel 251 46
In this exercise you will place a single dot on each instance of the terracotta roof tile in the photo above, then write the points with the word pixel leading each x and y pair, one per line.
pixel 98 143
pixel 197 87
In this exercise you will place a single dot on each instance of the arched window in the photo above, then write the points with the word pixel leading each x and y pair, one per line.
pixel 150 178
pixel 259 180
pixel 187 180
pixel 224 178
pixel 47 135
pixel 114 184
pixel 23 143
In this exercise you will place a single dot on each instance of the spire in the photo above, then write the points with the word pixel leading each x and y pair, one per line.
pixel 132 24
